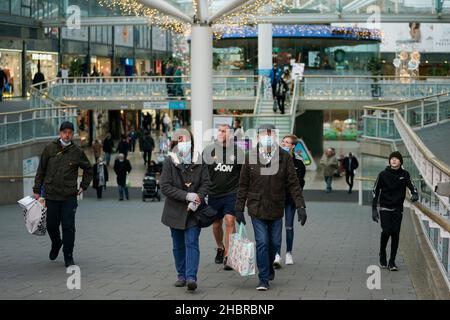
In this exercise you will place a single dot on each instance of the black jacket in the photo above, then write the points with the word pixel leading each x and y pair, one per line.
pixel 148 144
pixel 121 169
pixel 390 188
pixel 123 147
pixel 108 145
pixel 350 167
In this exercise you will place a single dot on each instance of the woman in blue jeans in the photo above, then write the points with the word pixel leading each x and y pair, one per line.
pixel 288 144
pixel 185 183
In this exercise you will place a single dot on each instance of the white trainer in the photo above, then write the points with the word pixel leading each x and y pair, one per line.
pixel 277 262
pixel 289 259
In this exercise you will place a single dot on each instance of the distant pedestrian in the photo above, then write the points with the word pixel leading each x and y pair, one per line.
pixel 330 165
pixel 350 164
pixel 100 177
pixel 97 149
pixel 132 137
pixel 122 167
pixel 148 145
pixel 123 146
pixel 108 147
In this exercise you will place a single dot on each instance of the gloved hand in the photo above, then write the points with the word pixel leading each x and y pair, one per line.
pixel 375 215
pixel 192 206
pixel 191 197
pixel 302 215
pixel 414 197
pixel 240 217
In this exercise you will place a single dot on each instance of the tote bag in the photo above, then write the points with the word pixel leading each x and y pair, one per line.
pixel 241 253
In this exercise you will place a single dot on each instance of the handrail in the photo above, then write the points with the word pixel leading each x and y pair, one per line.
pixel 258 93
pixel 294 103
pixel 371 77
pixel 386 106
pixel 444 224
pixel 37 109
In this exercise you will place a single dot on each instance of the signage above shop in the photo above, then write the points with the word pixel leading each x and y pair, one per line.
pixel 41 56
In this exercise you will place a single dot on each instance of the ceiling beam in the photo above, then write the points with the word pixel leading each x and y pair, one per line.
pixel 227 9
pixel 99 21
pixel 202 10
pixel 167 9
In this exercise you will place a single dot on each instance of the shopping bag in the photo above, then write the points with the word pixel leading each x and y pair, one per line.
pixel 35 216
pixel 241 253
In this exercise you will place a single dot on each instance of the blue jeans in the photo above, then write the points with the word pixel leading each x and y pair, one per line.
pixel 328 181
pixel 289 214
pixel 107 158
pixel 186 252
pixel 122 190
pixel 268 240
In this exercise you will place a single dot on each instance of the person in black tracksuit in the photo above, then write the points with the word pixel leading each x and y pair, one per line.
pixel 390 191
pixel 350 164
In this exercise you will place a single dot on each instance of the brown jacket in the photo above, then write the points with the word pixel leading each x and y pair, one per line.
pixel 265 193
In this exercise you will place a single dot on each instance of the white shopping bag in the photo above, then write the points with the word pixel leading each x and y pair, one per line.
pixel 35 216
pixel 241 253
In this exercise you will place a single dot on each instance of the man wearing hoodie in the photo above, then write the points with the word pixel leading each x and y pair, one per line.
pixel 390 191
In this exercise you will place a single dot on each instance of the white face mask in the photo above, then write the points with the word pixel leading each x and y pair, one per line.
pixel 266 141
pixel 184 148
pixel 64 143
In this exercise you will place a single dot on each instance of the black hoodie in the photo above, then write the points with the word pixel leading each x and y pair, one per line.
pixel 390 188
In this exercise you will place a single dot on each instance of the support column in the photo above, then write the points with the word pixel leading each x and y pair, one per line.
pixel 201 83
pixel 264 49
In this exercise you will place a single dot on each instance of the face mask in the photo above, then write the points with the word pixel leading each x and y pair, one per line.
pixel 65 144
pixel 184 148
pixel 287 149
pixel 120 160
pixel 266 141
pixel 186 159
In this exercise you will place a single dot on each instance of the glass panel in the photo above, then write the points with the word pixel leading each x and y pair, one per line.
pixel 4 5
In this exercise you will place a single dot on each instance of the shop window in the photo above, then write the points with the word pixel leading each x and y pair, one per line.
pixel 4 6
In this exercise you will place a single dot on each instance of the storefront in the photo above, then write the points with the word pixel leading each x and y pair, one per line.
pixel 48 62
pixel 320 47
pixel 342 124
pixel 11 64
pixel 142 67
pixel 102 65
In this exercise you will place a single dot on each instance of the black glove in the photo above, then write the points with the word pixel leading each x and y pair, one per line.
pixel 414 197
pixel 301 215
pixel 240 217
pixel 375 215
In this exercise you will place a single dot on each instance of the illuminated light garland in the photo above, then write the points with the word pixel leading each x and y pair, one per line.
pixel 154 17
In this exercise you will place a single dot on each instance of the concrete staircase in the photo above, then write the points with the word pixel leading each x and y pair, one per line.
pixel 281 122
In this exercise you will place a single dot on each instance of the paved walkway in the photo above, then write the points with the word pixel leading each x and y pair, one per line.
pixel 124 252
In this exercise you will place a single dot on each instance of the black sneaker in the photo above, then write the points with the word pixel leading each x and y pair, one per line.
pixel 225 266
pixel 383 262
pixel 55 250
pixel 262 286
pixel 272 276
pixel 219 255
pixel 191 285
pixel 69 261
pixel 181 282
pixel 392 266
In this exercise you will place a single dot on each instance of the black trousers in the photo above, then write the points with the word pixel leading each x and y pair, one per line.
pixel 99 192
pixel 349 177
pixel 62 213
pixel 281 100
pixel 390 228
pixel 147 156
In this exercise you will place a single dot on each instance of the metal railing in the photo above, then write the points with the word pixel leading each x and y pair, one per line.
pixel 322 87
pixel 42 121
pixel 153 88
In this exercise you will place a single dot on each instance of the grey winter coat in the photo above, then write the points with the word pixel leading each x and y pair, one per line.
pixel 195 179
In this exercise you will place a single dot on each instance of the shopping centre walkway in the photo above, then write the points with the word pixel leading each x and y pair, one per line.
pixel 124 252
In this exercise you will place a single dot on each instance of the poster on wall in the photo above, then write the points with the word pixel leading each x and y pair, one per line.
pixel 305 154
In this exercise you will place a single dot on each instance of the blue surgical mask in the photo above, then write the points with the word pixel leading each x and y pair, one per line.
pixel 287 149
pixel 266 141
pixel 184 148
pixel 187 159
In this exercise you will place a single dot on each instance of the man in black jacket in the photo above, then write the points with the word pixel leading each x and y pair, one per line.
pixel 122 167
pixel 58 173
pixel 350 164
pixel 390 191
